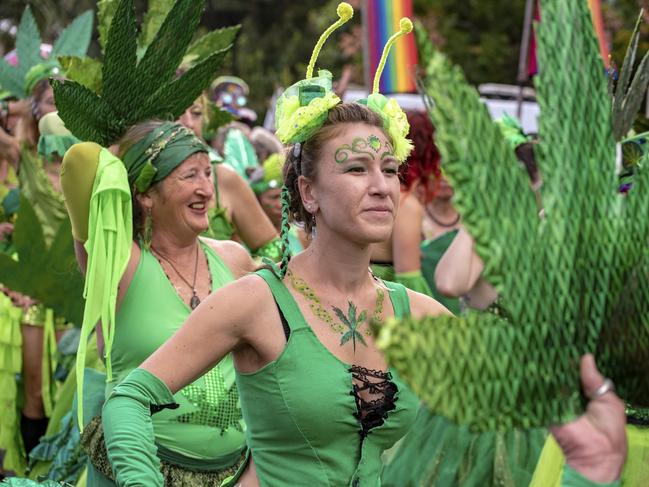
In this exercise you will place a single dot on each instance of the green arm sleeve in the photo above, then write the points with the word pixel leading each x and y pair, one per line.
pixel 572 478
pixel 128 431
pixel 414 281
pixel 78 173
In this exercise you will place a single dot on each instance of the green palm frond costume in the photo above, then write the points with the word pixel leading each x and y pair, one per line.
pixel 572 281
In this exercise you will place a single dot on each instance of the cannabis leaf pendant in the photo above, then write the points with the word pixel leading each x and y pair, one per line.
pixel 352 322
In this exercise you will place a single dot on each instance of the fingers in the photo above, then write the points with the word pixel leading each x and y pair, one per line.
pixel 591 379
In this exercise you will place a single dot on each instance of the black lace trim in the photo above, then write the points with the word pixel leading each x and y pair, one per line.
pixel 372 411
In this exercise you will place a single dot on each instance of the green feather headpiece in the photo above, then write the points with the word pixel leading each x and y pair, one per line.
pixel 137 79
pixel 19 80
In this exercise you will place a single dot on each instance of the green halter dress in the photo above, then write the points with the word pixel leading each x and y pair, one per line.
pixel 314 428
pixel 206 431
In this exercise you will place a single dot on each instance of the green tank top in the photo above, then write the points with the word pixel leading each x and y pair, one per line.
pixel 208 424
pixel 431 253
pixel 307 432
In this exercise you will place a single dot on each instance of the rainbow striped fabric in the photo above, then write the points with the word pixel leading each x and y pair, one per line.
pixel 381 21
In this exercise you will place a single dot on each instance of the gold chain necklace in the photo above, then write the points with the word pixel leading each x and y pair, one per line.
pixel 347 324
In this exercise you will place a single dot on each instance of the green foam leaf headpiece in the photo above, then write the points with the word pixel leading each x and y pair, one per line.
pixel 20 80
pixel 573 281
pixel 138 84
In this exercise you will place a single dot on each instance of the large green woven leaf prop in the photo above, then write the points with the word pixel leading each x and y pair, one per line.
pixel 572 281
pixel 49 274
pixel 73 41
pixel 137 73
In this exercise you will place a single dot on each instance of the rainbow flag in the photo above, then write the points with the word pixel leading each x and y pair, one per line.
pixel 381 20
pixel 598 23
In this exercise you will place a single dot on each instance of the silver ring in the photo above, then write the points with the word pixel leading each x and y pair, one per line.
pixel 607 386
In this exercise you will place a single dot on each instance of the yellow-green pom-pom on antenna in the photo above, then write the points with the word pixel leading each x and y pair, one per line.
pixel 405 25
pixel 345 12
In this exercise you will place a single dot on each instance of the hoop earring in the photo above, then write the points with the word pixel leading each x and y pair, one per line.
pixel 148 230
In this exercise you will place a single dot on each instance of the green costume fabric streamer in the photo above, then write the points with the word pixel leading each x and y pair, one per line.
pixel 155 156
pixel 110 236
pixel 571 282
pixel 11 366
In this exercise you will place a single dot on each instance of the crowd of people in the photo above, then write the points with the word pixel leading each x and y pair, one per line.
pixel 235 279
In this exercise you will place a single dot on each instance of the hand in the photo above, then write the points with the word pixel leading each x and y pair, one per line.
pixel 595 443
pixel 6 229
pixel 9 148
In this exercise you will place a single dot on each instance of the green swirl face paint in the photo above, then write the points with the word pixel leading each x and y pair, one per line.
pixel 371 146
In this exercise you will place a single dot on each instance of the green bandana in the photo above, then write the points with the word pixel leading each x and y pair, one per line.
pixel 164 149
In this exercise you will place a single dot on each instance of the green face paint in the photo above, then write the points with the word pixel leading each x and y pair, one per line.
pixel 370 146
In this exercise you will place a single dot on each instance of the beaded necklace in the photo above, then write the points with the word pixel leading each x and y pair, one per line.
pixel 348 324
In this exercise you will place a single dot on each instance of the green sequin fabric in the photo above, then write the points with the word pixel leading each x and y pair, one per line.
pixel 572 281
pixel 218 404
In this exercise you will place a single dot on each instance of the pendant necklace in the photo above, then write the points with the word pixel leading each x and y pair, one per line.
pixel 195 300
pixel 440 223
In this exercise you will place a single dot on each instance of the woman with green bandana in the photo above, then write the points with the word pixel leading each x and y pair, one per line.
pixel 234 213
pixel 170 271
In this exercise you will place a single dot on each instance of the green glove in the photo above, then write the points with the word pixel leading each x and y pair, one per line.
pixel 414 281
pixel 572 478
pixel 128 431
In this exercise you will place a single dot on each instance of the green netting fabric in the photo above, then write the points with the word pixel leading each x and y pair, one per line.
pixel 137 73
pixel 570 282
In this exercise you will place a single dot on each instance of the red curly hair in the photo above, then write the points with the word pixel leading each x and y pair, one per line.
pixel 423 165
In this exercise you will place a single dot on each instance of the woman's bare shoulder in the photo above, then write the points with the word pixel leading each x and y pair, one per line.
pixel 422 305
pixel 235 256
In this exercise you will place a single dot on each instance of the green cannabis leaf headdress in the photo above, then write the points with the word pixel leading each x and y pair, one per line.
pixel 20 80
pixel 134 89
pixel 573 281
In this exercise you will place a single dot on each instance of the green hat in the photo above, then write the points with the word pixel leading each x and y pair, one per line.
pixel 269 176
pixel 142 87
pixel 55 139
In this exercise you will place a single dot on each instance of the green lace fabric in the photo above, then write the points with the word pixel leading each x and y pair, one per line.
pixel 192 474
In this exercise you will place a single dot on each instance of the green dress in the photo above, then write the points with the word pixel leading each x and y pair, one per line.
pixel 207 428
pixel 431 253
pixel 308 431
